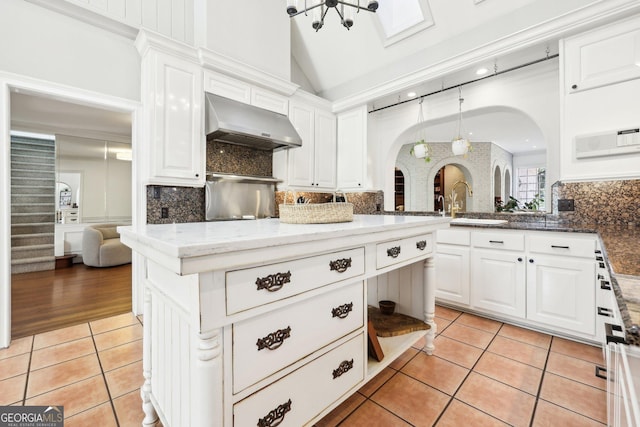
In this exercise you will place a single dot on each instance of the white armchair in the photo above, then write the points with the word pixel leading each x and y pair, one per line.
pixel 101 246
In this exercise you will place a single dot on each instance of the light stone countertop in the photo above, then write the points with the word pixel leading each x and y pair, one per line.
pixel 209 238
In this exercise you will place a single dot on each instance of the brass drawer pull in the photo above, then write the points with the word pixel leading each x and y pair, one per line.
pixel 421 245
pixel 273 282
pixel 274 339
pixel 345 366
pixel 340 265
pixel 276 416
pixel 342 311
pixel 393 252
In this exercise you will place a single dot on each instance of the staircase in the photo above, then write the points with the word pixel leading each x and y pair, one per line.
pixel 32 204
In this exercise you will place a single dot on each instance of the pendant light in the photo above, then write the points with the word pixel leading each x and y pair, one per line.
pixel 420 149
pixel 460 145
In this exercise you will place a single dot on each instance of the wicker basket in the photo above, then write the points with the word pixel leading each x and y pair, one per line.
pixel 315 213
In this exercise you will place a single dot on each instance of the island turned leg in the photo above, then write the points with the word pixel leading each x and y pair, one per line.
pixel 430 302
pixel 207 402
pixel 150 415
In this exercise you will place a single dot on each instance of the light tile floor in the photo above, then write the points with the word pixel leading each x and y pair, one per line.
pixel 483 373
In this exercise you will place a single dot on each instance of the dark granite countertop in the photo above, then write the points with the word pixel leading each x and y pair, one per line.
pixel 621 247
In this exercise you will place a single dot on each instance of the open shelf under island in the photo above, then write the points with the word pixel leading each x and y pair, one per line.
pixel 260 322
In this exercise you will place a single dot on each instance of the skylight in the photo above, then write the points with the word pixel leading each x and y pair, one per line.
pixel 400 19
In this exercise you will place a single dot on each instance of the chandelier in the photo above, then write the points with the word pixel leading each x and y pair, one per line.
pixel 346 15
pixel 460 145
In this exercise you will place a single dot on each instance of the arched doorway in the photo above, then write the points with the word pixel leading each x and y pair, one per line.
pixel 452 177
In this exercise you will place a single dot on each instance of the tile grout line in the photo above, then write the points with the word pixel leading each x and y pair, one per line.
pixel 453 396
pixel 104 378
pixel 26 380
pixel 544 372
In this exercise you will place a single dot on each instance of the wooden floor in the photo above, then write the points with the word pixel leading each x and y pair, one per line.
pixel 47 300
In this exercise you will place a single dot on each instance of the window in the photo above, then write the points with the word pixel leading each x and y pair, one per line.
pixel 531 182
pixel 401 19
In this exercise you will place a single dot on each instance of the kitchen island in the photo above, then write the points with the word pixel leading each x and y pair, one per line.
pixel 265 323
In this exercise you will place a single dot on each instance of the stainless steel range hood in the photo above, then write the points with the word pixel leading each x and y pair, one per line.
pixel 242 124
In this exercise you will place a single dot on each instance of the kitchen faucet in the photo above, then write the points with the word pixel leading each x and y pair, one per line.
pixel 454 208
pixel 440 198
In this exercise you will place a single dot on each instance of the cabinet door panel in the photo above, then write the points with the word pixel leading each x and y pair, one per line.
pixel 452 274
pixel 177 143
pixel 498 282
pixel 269 101
pixel 301 158
pixel 352 149
pixel 561 293
pixel 325 149
pixel 227 87
pixel 603 57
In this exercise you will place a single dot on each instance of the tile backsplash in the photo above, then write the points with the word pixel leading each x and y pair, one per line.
pixel 238 160
pixel 183 204
pixel 600 202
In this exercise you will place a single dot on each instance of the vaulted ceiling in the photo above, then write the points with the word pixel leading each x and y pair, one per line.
pixel 336 63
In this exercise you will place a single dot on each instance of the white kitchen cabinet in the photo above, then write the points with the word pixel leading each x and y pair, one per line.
pixel 561 292
pixel 452 258
pixel 604 56
pixel 240 91
pixel 498 282
pixel 545 280
pixel 352 149
pixel 314 164
pixel 173 101
pixel 561 281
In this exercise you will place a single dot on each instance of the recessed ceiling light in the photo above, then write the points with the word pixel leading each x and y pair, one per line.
pixel 482 71
pixel 411 94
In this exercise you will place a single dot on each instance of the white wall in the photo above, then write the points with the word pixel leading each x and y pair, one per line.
pixel 532 91
pixel 105 190
pixel 39 43
pixel 257 34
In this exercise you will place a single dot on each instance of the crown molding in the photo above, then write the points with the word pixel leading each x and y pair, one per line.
pixel 311 99
pixel 87 16
pixel 238 70
pixel 147 40
pixel 571 23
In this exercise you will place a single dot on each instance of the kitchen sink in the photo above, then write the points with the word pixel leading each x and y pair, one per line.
pixel 477 221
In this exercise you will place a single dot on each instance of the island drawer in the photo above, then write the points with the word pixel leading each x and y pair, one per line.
pixel 257 286
pixel 297 398
pixel 561 244
pixel 396 251
pixel 498 240
pixel 265 344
